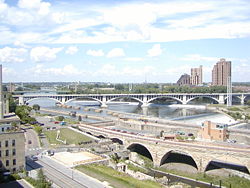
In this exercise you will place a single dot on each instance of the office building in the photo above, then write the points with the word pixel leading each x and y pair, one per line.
pixel 184 80
pixel 12 141
pixel 221 72
pixel 196 76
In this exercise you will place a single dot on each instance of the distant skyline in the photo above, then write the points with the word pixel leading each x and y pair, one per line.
pixel 122 41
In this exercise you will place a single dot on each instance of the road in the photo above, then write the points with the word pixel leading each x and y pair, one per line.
pixel 32 144
pixel 63 176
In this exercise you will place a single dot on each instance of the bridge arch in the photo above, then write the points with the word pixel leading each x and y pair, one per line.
pixel 175 156
pixel 140 149
pixel 158 97
pixel 110 100
pixel 92 98
pixel 214 99
pixel 216 164
pixel 117 140
pixel 50 98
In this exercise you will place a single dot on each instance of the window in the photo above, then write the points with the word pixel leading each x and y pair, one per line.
pixel 7 153
pixel 0 153
pixel 1 164
pixel 2 129
pixel 0 144
pixel 14 169
pixel 6 143
pixel 14 161
pixel 7 162
pixel 13 142
pixel 14 152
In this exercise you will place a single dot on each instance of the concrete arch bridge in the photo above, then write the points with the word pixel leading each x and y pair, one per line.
pixel 143 99
pixel 201 157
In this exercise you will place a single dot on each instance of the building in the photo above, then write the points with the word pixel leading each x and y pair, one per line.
pixel 12 141
pixel 12 151
pixel 184 80
pixel 196 76
pixel 214 131
pixel 221 72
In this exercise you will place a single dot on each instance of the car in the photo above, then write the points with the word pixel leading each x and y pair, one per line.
pixel 34 158
pixel 190 134
pixel 29 142
pixel 56 122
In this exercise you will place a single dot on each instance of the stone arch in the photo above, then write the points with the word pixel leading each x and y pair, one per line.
pixel 216 100
pixel 238 99
pixel 101 136
pixel 110 100
pixel 50 98
pixel 158 97
pixel 175 156
pixel 141 149
pixel 94 99
pixel 117 140
pixel 216 164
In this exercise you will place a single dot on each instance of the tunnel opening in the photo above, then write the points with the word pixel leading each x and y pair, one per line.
pixel 176 157
pixel 213 165
pixel 140 149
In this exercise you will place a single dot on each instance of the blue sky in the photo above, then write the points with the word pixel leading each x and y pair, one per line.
pixel 122 41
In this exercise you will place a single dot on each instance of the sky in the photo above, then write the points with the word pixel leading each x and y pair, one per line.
pixel 129 41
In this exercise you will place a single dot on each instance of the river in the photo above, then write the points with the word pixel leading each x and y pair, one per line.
pixel 194 114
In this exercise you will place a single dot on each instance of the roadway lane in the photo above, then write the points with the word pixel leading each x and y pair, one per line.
pixel 32 143
pixel 63 176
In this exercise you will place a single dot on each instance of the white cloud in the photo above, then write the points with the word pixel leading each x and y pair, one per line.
pixel 12 55
pixel 41 7
pixel 40 54
pixel 155 50
pixel 67 70
pixel 133 59
pixel 95 53
pixel 72 50
pixel 116 52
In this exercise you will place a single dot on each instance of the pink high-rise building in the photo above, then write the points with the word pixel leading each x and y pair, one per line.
pixel 221 72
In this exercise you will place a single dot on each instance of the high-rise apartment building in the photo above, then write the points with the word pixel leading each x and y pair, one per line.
pixel 184 80
pixel 196 76
pixel 221 72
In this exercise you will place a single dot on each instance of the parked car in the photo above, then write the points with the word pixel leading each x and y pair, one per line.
pixel 29 142
pixel 56 122
pixel 34 158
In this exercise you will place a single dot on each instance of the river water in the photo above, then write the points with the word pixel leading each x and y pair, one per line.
pixel 194 114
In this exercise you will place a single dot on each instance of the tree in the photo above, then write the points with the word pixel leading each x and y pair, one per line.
pixel 38 129
pixel 12 104
pixel 60 118
pixel 36 107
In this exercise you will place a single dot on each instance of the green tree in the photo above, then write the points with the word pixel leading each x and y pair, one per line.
pixel 38 129
pixel 12 104
pixel 60 118
pixel 36 107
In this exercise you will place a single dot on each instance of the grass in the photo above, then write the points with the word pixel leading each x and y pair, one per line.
pixel 115 178
pixel 69 135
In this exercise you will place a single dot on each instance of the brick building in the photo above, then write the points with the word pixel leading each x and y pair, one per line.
pixel 196 76
pixel 214 131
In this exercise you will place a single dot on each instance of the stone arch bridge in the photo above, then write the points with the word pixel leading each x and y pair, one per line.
pixel 143 99
pixel 201 157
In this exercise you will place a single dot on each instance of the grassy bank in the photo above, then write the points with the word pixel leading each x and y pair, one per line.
pixel 69 135
pixel 115 178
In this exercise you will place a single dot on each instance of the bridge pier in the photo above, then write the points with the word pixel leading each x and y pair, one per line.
pixel 221 99
pixel 242 99
pixel 63 100
pixel 104 100
pixel 21 100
